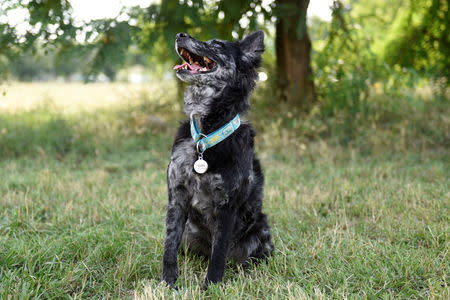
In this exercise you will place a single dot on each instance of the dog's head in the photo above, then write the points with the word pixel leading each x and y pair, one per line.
pixel 217 62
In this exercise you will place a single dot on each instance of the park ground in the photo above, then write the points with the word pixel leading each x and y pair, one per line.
pixel 359 206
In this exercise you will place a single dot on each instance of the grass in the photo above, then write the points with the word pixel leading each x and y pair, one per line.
pixel 83 196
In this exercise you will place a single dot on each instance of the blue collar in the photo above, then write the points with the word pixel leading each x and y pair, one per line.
pixel 214 138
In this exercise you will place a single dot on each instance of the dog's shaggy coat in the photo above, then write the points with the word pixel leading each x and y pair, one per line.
pixel 218 213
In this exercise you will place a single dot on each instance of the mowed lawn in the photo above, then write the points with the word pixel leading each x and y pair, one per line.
pixel 83 197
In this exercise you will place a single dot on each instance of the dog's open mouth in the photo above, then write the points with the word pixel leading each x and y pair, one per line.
pixel 194 63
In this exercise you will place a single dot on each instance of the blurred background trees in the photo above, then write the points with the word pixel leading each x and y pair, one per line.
pixel 335 62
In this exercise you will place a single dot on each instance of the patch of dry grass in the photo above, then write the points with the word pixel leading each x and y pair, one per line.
pixel 69 98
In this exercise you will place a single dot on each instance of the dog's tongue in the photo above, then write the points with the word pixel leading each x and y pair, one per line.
pixel 177 67
pixel 194 67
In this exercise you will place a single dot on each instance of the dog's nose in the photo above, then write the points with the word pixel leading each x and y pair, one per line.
pixel 181 35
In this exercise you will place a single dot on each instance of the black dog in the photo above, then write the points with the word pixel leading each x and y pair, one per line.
pixel 216 212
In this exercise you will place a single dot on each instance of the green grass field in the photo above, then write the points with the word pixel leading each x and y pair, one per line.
pixel 358 210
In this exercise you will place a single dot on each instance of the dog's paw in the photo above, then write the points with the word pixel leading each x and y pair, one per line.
pixel 169 285
pixel 208 281
pixel 170 275
pixel 206 284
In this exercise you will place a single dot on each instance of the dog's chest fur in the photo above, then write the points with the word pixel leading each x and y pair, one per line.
pixel 205 191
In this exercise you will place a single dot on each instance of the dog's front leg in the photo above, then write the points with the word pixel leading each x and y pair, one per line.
pixel 175 222
pixel 219 249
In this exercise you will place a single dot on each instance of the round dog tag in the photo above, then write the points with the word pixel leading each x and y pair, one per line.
pixel 200 166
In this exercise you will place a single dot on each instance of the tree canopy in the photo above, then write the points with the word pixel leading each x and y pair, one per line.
pixel 363 35
pixel 421 38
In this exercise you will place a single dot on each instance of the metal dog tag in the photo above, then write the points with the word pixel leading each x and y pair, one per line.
pixel 200 166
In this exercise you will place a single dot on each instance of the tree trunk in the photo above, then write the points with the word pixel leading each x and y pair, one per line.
pixel 293 50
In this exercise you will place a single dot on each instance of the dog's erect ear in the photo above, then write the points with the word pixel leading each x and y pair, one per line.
pixel 253 45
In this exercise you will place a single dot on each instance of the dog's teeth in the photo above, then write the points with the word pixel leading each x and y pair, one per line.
pixel 206 59
pixel 203 69
pixel 181 51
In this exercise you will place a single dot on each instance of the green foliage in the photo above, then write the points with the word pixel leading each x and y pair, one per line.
pixel 345 65
pixel 376 20
pixel 26 66
pixel 411 34
pixel 111 47
pixel 108 41
pixel 356 87
pixel 52 28
pixel 421 39
pixel 161 22
pixel 44 17
pixel 233 11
